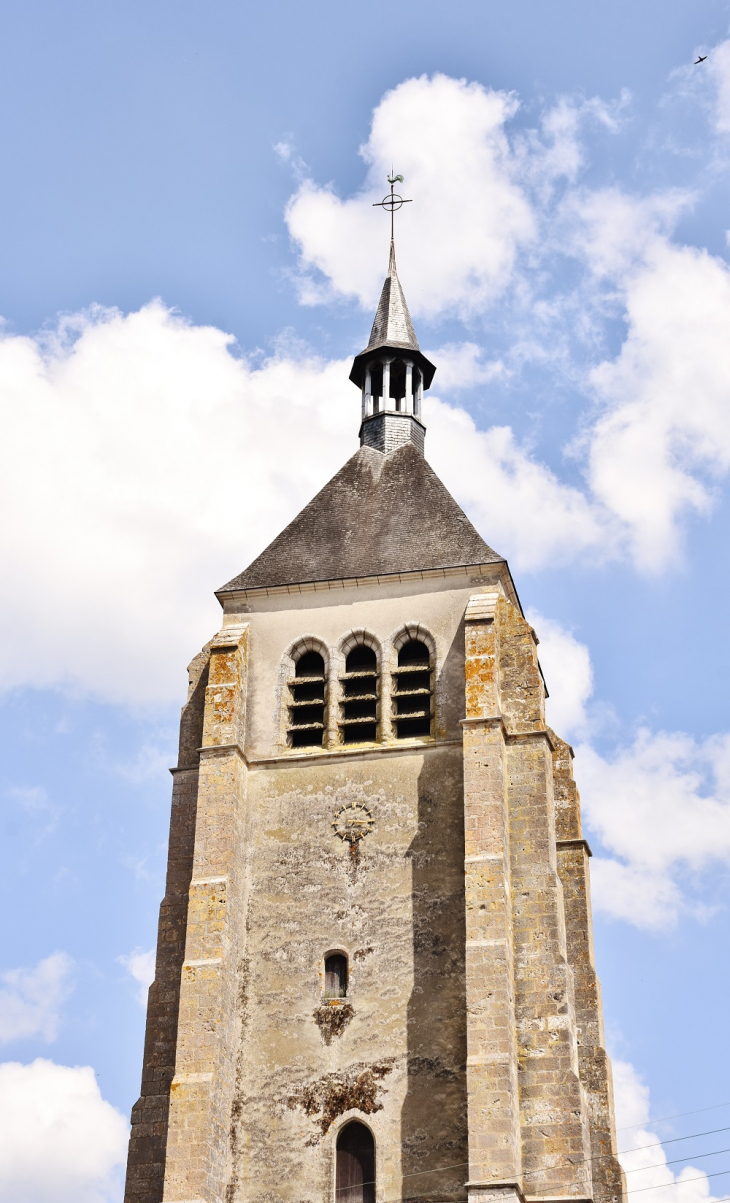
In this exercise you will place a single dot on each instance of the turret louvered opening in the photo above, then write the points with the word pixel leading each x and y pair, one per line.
pixel 376 387
pixel 391 383
pixel 359 702
pixel 413 690
pixel 307 701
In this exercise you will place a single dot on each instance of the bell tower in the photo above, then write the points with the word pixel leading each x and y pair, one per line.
pixel 392 372
pixel 374 977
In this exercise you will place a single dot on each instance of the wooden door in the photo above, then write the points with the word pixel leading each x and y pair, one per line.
pixel 355 1182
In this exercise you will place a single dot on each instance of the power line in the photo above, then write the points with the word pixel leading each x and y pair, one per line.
pixel 459 1165
pixel 700 1178
pixel 674 1139
pixel 641 1169
pixel 637 1149
pixel 681 1115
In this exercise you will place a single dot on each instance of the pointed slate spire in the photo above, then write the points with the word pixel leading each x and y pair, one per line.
pixel 392 373
pixel 393 326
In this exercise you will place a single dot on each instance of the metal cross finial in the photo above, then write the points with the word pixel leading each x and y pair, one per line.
pixel 393 202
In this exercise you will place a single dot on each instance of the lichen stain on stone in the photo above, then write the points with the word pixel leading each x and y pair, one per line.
pixel 332 1019
pixel 332 1095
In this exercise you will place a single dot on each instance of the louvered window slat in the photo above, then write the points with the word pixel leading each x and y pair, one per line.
pixel 307 701
pixel 413 691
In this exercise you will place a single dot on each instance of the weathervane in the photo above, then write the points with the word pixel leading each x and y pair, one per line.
pixel 393 202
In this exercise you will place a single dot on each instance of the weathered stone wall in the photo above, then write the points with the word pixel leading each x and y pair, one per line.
pixel 148 1141
pixel 198 1157
pixel 471 1038
pixel 553 1115
pixel 398 1062
pixel 397 913
pixel 595 1068
pixel 538 1087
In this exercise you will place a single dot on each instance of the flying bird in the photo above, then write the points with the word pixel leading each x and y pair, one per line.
pixel 701 59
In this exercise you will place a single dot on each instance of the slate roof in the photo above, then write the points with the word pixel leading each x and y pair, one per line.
pixel 380 514
pixel 392 326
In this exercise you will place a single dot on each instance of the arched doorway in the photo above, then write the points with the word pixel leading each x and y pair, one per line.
pixel 355 1179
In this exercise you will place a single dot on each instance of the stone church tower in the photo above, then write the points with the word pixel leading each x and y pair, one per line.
pixel 375 977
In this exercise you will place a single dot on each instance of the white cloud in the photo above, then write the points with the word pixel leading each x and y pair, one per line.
pixel 613 232
pixel 566 664
pixel 462 366
pixel 457 242
pixel 658 441
pixel 151 761
pixel 718 68
pixel 60 1141
pixel 31 999
pixel 141 466
pixel 660 807
pixel 525 511
pixel 556 150
pixel 141 966
pixel 36 803
pixel 33 798
pixel 662 810
pixel 645 1161
pixel 663 439
pixel 144 464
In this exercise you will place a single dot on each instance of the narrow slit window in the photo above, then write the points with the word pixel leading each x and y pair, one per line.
pixel 355 1178
pixel 413 691
pixel 307 701
pixel 359 703
pixel 335 976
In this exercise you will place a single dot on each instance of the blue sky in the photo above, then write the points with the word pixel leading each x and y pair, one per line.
pixel 190 258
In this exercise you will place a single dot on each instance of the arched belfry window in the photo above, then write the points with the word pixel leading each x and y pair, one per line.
pixel 413 690
pixel 335 975
pixel 359 701
pixel 355 1178
pixel 307 701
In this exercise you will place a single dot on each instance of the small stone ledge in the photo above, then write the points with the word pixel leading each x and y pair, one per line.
pixel 574 844
pixel 510 737
pixel 359 752
pixel 558 1198
pixel 500 1189
pixel 222 750
pixel 229 637
pixel 481 607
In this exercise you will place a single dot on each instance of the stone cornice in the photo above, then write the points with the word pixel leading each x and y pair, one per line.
pixel 430 574
pixel 324 754
pixel 401 748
